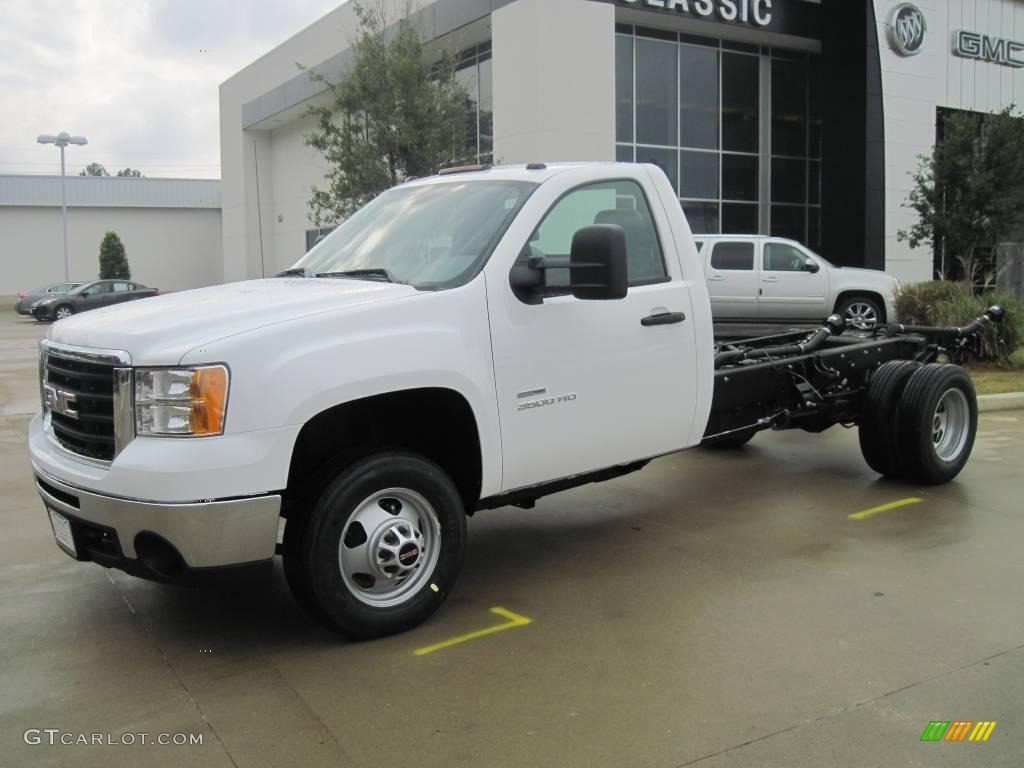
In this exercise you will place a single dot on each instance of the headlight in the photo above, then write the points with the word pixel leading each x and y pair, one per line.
pixel 187 402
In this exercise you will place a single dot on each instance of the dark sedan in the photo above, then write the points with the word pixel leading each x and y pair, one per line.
pixel 101 293
pixel 26 301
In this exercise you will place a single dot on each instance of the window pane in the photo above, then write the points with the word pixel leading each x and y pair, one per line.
pixel 814 105
pixel 739 177
pixel 739 218
pixel 698 114
pixel 789 183
pixel 788 221
pixel 623 88
pixel 814 229
pixel 698 175
pixel 467 78
pixel 703 217
pixel 486 107
pixel 733 256
pixel 740 102
pixel 618 202
pixel 666 159
pixel 779 257
pixel 656 93
pixel 814 182
pixel 623 154
pixel 789 108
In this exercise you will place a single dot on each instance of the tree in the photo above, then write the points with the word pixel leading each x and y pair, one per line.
pixel 969 193
pixel 130 172
pixel 113 262
pixel 94 169
pixel 399 113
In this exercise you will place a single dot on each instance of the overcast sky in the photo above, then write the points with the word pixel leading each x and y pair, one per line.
pixel 130 76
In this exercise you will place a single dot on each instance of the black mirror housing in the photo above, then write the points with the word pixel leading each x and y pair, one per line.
pixel 598 269
pixel 812 267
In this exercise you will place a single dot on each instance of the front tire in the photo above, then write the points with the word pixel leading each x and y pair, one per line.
pixel 861 313
pixel 63 311
pixel 381 548
pixel 938 421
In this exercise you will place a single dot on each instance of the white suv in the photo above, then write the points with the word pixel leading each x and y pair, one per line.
pixel 760 278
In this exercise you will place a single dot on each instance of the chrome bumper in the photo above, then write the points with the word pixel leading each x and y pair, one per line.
pixel 142 537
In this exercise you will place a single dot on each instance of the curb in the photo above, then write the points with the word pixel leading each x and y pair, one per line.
pixel 1011 401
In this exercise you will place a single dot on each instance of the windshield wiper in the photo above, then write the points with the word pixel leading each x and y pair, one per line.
pixel 376 273
pixel 295 272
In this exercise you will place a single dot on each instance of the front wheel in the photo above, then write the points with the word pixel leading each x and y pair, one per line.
pixel 938 420
pixel 64 310
pixel 381 548
pixel 860 312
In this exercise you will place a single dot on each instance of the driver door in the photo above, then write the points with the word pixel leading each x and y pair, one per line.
pixel 586 385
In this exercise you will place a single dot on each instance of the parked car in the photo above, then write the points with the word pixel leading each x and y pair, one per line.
pixel 100 293
pixel 28 300
pixel 771 279
pixel 467 341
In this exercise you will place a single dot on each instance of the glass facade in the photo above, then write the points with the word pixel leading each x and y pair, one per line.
pixel 473 70
pixel 736 127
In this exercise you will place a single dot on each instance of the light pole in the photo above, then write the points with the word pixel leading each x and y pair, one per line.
pixel 62 140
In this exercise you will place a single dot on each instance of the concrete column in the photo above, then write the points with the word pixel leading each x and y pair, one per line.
pixel 554 81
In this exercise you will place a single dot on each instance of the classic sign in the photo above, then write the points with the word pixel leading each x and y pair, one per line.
pixel 757 12
pixel 973 45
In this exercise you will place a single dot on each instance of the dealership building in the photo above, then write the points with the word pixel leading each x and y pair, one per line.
pixel 797 118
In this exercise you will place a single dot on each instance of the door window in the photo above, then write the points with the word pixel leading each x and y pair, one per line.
pixel 100 288
pixel 733 256
pixel 122 287
pixel 611 202
pixel 779 257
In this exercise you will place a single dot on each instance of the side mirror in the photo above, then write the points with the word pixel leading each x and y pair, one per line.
pixel 598 268
pixel 812 267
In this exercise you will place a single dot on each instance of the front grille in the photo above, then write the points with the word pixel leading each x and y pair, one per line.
pixel 92 384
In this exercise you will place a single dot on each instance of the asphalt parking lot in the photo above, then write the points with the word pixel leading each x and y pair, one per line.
pixel 714 609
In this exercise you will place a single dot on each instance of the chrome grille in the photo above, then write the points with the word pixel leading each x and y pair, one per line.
pixel 91 384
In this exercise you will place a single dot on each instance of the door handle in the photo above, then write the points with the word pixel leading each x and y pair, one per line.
pixel 771 279
pixel 663 318
pixel 716 278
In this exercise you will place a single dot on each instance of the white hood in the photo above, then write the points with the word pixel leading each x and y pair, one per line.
pixel 161 329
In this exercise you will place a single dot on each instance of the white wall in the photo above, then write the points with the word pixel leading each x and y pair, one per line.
pixel 554 81
pixel 914 86
pixel 167 248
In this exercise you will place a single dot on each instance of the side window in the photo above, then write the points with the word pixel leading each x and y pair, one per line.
pixel 733 256
pixel 122 287
pixel 779 257
pixel 100 288
pixel 612 202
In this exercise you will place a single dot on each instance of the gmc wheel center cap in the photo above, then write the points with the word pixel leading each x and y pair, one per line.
pixel 408 554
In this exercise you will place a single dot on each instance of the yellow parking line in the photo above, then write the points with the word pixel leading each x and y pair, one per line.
pixel 884 508
pixel 514 620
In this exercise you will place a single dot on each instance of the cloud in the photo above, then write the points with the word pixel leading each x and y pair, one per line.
pixel 134 77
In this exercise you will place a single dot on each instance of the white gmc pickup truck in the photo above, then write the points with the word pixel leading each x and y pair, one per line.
pixel 479 338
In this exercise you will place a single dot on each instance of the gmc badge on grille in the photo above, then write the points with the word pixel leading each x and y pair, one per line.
pixel 59 401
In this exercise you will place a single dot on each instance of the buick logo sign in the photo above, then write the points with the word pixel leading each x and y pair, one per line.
pixel 906 29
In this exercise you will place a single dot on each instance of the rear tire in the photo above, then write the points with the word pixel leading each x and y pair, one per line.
pixel 938 421
pixel 381 548
pixel 878 430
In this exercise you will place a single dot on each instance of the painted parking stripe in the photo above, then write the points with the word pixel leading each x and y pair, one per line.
pixel 863 515
pixel 514 620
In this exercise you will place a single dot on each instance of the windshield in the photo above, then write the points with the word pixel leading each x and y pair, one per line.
pixel 428 236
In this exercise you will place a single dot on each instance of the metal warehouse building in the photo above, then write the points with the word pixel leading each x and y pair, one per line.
pixel 800 118
pixel 171 229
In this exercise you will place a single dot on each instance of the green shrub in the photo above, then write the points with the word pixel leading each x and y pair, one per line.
pixel 949 303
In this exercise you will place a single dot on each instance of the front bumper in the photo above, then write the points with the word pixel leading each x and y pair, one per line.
pixel 213 541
